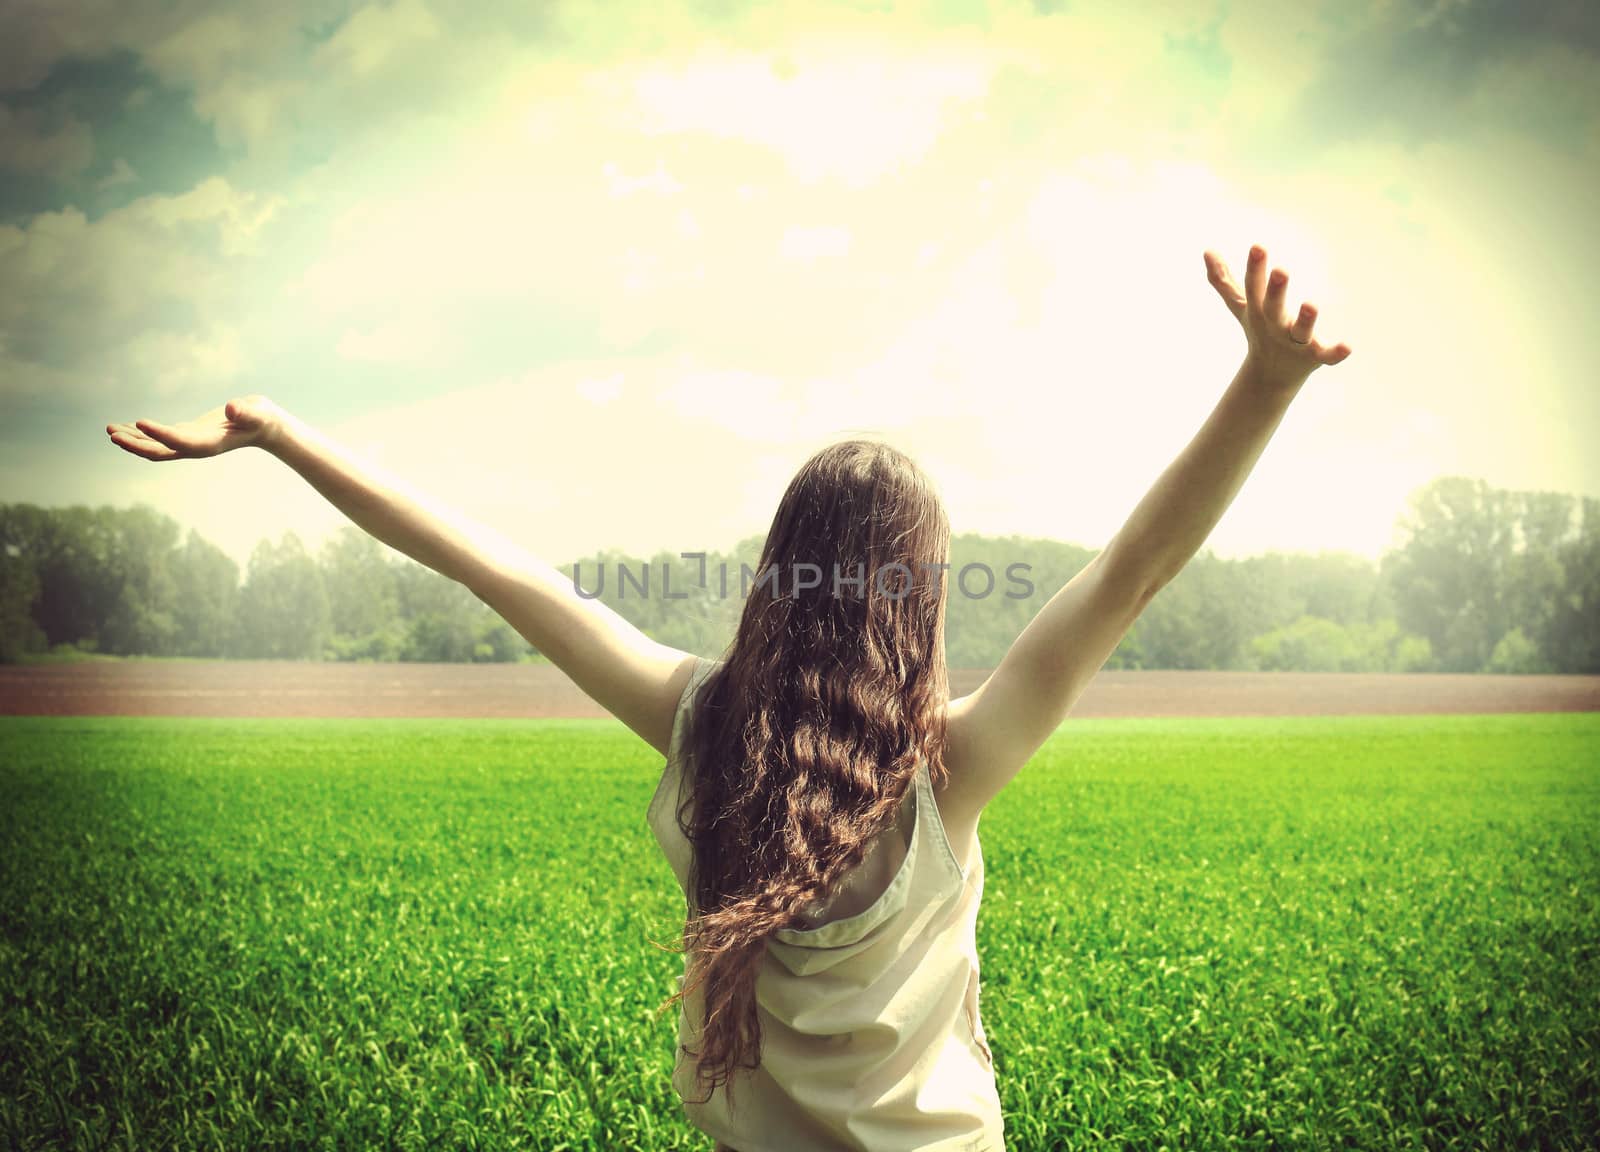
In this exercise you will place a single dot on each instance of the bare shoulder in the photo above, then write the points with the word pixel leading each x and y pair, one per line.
pixel 675 671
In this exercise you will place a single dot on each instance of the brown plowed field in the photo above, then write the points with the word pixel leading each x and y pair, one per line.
pixel 274 688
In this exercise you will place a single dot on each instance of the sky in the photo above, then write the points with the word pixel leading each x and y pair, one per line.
pixel 604 275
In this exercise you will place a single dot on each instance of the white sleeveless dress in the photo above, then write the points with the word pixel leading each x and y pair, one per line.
pixel 871 1033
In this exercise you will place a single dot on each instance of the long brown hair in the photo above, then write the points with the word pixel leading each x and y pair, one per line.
pixel 800 748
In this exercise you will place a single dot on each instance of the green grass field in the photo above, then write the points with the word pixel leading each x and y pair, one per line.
pixel 1363 933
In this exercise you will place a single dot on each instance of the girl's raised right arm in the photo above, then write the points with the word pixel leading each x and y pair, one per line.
pixel 994 731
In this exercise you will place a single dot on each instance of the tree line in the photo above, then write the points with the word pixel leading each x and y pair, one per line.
pixel 1480 579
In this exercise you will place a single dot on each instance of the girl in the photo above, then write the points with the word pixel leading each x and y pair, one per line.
pixel 821 796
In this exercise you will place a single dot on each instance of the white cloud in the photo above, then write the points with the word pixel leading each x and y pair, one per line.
pixel 847 112
pixel 178 363
pixel 148 296
pixel 386 343
pixel 809 245
pixel 601 389
pixel 751 405
pixel 620 185
pixel 375 36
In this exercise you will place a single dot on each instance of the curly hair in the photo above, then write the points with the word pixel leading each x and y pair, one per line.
pixel 800 748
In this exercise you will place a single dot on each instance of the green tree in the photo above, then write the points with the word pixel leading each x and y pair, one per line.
pixel 440 638
pixel 1310 644
pixel 207 584
pixel 139 610
pixel 1574 640
pixel 1413 654
pixel 1338 586
pixel 498 642
pixel 1450 573
pixel 1515 653
pixel 19 588
pixel 283 607
pixel 1197 620
pixel 441 617
pixel 73 558
pixel 363 597
pixel 104 575
pixel 1478 562
pixel 1535 577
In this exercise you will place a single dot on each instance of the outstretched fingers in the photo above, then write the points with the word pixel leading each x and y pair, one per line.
pixel 1334 355
pixel 1272 304
pixel 1260 307
pixel 181 440
pixel 157 431
pixel 132 439
pixel 1255 279
pixel 1222 280
pixel 1300 332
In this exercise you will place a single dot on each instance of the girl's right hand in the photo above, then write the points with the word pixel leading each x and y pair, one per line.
pixel 1282 353
pixel 237 424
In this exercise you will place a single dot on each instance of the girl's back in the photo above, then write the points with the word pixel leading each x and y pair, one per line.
pixel 871 1033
